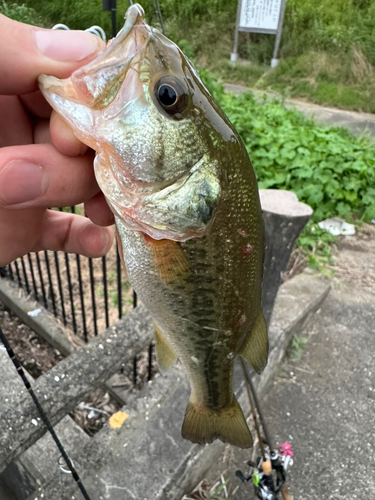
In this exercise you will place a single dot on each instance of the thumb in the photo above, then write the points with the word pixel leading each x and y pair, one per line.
pixel 27 51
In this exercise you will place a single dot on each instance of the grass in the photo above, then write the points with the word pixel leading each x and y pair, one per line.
pixel 327 47
pixel 327 79
pixel 328 52
pixel 22 13
pixel 297 346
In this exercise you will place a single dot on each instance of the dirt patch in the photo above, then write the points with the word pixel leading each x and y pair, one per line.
pixel 33 352
pixel 354 266
pixel 94 411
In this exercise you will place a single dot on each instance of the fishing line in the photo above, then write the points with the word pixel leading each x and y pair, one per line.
pixel 43 415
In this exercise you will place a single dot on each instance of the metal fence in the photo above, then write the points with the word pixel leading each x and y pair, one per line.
pixel 87 295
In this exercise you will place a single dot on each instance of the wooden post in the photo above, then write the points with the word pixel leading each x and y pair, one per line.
pixel 284 218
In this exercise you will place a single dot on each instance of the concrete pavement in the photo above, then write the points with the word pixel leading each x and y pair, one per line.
pixel 324 403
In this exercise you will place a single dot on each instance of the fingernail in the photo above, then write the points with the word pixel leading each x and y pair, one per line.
pixel 22 182
pixel 66 45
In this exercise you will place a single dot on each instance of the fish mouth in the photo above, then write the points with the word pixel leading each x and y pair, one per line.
pixel 97 84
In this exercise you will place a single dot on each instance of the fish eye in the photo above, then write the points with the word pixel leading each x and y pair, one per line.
pixel 167 95
pixel 171 95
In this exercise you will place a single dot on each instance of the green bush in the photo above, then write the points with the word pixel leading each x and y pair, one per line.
pixel 21 13
pixel 326 167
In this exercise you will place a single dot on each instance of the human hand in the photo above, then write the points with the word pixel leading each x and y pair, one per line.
pixel 42 164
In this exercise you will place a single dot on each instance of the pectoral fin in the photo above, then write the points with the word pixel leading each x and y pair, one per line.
pixel 164 351
pixel 170 260
pixel 255 351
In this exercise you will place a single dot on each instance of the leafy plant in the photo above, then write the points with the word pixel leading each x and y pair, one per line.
pixel 325 167
pixel 21 13
pixel 216 494
pixel 298 344
pixel 316 244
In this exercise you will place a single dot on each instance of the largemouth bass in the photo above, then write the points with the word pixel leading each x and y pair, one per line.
pixel 188 218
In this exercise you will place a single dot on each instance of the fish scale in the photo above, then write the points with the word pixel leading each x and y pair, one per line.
pixel 181 186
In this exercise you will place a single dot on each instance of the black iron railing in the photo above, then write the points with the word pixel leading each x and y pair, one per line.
pixel 87 295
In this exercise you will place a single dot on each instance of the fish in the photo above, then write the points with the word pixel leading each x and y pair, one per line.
pixel 188 218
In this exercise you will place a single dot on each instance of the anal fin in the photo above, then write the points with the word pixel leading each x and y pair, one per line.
pixel 204 425
pixel 164 351
pixel 255 350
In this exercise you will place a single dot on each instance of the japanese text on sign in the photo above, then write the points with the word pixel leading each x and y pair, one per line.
pixel 261 14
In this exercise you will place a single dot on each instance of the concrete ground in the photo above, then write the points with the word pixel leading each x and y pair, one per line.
pixel 324 402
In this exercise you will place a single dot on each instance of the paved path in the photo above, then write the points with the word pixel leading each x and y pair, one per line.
pixel 324 403
pixel 357 123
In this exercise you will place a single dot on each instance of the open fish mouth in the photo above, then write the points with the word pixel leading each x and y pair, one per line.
pixel 97 84
pixel 139 105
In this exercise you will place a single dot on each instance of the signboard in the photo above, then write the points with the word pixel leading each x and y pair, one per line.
pixel 261 14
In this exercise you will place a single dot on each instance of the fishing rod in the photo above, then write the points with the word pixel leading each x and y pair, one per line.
pixel 43 415
pixel 261 476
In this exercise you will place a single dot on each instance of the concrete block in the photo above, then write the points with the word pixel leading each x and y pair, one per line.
pixel 147 458
pixel 67 383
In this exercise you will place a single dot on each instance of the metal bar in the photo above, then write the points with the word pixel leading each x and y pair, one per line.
pixel 135 300
pixel 50 283
pixel 11 271
pixel 105 290
pixel 25 276
pixel 81 297
pixel 92 286
pixel 67 265
pixel 234 55
pixel 18 274
pixel 113 17
pixel 279 31
pixel 59 284
pixel 135 370
pixel 150 351
pixel 32 275
pixel 41 280
pixel 119 289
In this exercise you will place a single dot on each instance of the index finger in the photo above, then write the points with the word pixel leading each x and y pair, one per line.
pixel 28 51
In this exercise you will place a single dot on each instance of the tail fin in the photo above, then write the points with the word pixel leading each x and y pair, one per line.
pixel 204 425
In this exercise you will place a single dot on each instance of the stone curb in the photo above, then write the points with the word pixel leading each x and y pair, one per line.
pixel 42 321
pixel 147 458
